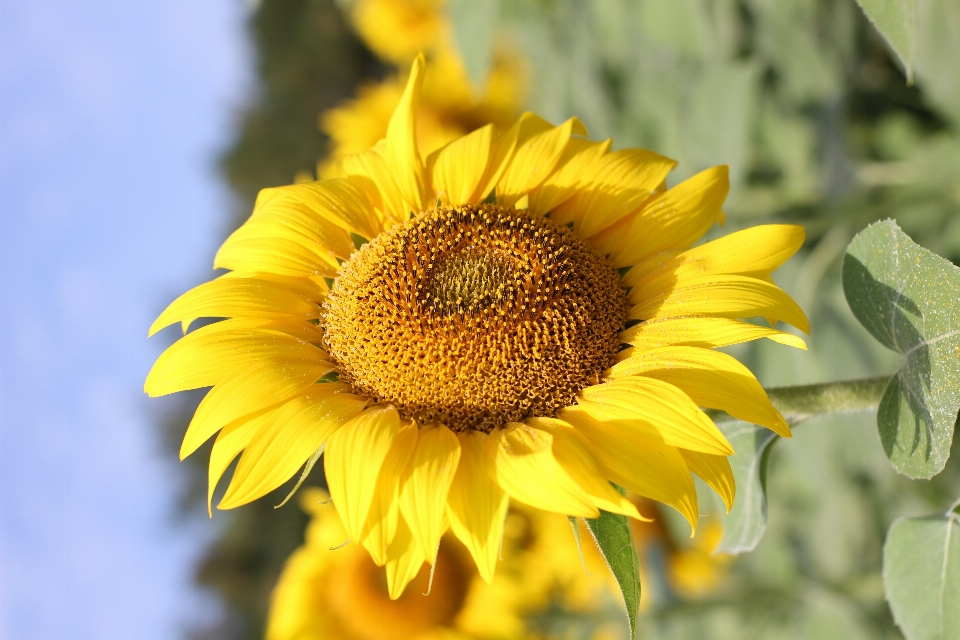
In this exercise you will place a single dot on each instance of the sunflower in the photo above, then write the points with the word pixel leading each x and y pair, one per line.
pixel 326 591
pixel 398 30
pixel 448 109
pixel 340 594
pixel 516 317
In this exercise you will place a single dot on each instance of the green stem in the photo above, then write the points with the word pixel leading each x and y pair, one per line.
pixel 805 401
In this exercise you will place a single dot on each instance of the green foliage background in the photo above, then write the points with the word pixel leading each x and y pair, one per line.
pixel 812 111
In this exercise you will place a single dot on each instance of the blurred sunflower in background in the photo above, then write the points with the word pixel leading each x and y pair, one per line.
pixel 515 316
pixel 450 106
pixel 340 594
pixel 399 30
pixel 331 592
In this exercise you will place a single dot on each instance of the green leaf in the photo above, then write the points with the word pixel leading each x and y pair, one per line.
pixel 938 49
pixel 909 299
pixel 612 534
pixel 474 24
pixel 896 20
pixel 921 575
pixel 744 525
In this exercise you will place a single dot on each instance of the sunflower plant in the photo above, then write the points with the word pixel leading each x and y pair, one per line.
pixel 464 320
pixel 517 316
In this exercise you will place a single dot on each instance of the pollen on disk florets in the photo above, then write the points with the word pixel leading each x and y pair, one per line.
pixel 474 316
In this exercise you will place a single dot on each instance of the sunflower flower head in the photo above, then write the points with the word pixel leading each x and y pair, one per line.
pixel 326 592
pixel 526 318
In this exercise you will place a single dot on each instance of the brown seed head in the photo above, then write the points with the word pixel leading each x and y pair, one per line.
pixel 474 316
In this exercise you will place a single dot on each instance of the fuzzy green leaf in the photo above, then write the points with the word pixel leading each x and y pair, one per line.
pixel 612 534
pixel 896 20
pixel 921 575
pixel 474 24
pixel 909 299
pixel 744 525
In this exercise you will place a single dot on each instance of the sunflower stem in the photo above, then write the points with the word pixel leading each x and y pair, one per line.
pixel 805 401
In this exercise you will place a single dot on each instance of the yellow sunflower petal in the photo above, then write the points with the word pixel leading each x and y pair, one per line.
pixel 222 350
pixel 401 152
pixel 502 148
pixel 255 390
pixel 341 202
pixel 676 218
pixel 303 330
pixel 352 462
pixel 312 288
pixel 537 153
pixel 577 166
pixel 228 445
pixel 381 523
pixel 609 240
pixel 723 296
pixel 370 170
pixel 425 485
pixel 233 297
pixel 754 252
pixel 638 462
pixel 289 256
pixel 404 559
pixel 457 169
pixel 711 379
pixel 287 237
pixel 528 471
pixel 295 432
pixel 573 454
pixel 702 332
pixel 476 505
pixel 659 404
pixel 621 181
pixel 715 471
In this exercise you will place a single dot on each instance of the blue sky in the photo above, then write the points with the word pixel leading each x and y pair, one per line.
pixel 111 117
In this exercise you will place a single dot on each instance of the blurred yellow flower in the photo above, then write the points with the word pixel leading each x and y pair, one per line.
pixel 695 571
pixel 398 30
pixel 472 306
pixel 449 108
pixel 450 105
pixel 328 591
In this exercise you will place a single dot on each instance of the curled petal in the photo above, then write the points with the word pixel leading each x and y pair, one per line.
pixel 701 332
pixel 404 559
pixel 754 252
pixel 283 443
pixel 222 350
pixel 538 150
pixel 711 379
pixel 237 297
pixel 476 505
pixel 457 169
pixel 525 465
pixel 676 218
pixel 425 485
pixel 254 391
pixel 381 525
pixel 638 461
pixel 723 296
pixel 353 458
pixel 658 405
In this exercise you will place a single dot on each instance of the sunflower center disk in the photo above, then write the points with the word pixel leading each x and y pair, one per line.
pixel 474 316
